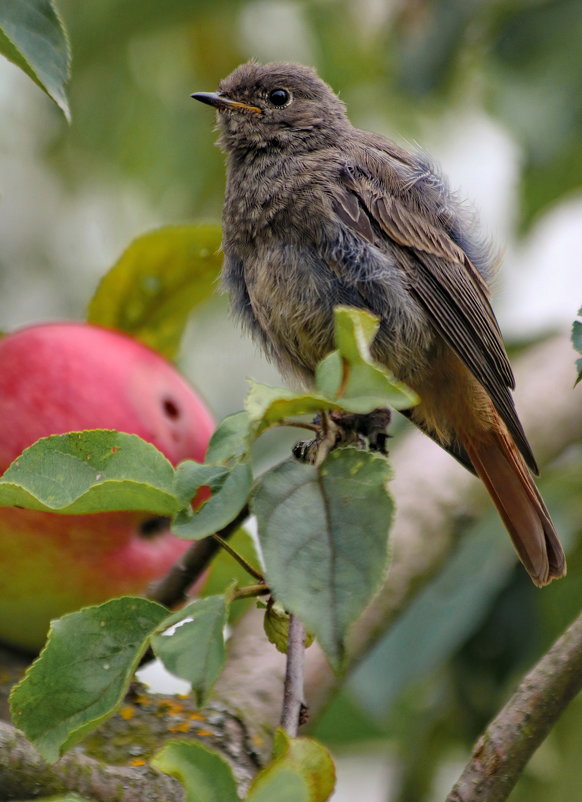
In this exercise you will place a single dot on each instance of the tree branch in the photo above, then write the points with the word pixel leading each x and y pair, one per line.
pixel 501 753
pixel 293 699
pixel 25 775
pixel 423 535
pixel 141 727
pixel 172 588
pixel 433 494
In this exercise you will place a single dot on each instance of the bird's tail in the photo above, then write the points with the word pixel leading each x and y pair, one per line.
pixel 504 473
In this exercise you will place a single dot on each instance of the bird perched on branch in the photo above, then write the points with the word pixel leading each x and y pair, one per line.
pixel 317 214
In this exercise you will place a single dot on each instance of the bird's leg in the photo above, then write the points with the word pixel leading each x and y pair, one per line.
pixel 327 438
pixel 367 428
pixel 343 429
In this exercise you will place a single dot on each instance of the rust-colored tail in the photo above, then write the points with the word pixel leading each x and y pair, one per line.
pixel 503 471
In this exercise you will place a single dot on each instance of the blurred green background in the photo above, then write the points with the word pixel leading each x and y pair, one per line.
pixel 494 91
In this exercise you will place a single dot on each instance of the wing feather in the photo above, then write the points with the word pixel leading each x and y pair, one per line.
pixel 444 281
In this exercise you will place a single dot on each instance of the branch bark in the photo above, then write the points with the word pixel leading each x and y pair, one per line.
pixel 294 677
pixel 137 732
pixel 24 774
pixel 501 753
pixel 172 589
pixel 432 494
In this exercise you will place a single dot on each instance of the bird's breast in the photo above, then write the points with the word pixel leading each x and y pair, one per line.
pixel 289 262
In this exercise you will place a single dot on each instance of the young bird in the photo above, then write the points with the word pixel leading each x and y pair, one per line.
pixel 318 213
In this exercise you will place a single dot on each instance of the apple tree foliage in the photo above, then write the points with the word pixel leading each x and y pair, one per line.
pixel 310 517
pixel 33 37
pixel 577 343
pixel 310 522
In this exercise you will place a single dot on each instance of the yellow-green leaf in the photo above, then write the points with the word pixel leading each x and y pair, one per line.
pixel 302 771
pixel 156 283
pixel 205 775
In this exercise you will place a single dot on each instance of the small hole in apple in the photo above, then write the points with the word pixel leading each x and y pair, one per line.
pixel 154 526
pixel 171 409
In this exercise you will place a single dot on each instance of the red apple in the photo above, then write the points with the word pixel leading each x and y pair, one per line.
pixel 62 377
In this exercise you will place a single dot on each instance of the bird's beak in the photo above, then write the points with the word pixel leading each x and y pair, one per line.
pixel 221 102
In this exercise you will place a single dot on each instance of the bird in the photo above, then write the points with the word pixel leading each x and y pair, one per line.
pixel 318 213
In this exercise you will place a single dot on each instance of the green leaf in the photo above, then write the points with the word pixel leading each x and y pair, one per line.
pixel 351 374
pixel 202 771
pixel 346 380
pixel 302 771
pixel 355 330
pixel 279 782
pixel 156 283
pixel 276 626
pixel 577 343
pixel 91 471
pixel 230 441
pixel 195 650
pixel 32 37
pixel 324 537
pixel 577 333
pixel 367 386
pixel 267 406
pixel 83 672
pixel 230 494
pixel 191 476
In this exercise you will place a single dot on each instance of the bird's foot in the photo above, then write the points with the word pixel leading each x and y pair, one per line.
pixel 345 429
pixel 367 429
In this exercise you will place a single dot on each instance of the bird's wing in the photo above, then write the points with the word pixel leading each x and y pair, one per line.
pixel 444 281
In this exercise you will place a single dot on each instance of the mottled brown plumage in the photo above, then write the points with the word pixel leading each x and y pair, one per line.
pixel 318 213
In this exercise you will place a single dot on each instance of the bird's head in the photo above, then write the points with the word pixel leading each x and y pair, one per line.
pixel 279 106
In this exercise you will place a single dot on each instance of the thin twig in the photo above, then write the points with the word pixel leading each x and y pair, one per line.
pixel 171 589
pixel 250 569
pixel 500 754
pixel 293 688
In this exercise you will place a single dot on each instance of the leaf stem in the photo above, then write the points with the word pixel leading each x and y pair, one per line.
pixel 250 592
pixel 250 569
pixel 172 588
pixel 293 703
pixel 344 379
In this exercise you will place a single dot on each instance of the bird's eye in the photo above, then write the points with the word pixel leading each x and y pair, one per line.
pixel 279 97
